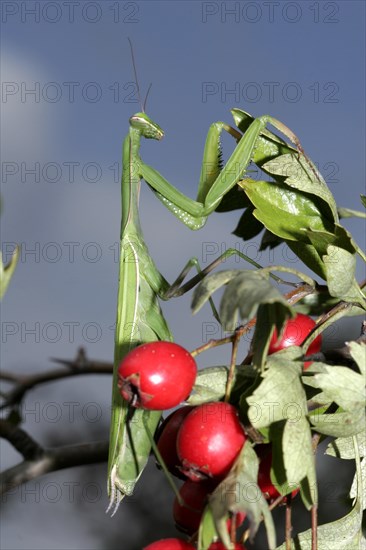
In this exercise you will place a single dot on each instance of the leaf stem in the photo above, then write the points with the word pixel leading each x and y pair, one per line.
pixel 161 460
pixel 231 375
pixel 288 522
pixel 314 527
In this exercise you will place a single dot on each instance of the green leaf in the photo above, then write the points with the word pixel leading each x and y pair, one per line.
pixel 293 463
pixel 6 272
pixel 279 391
pixel 339 237
pixel 355 490
pixel 244 294
pixel 210 385
pixel 343 534
pixel 340 269
pixel 341 385
pixel 209 285
pixel 285 212
pixel 363 200
pixel 358 354
pixel 315 304
pixel 341 424
pixel 239 492
pixel 343 447
pixel 309 255
pixel 309 492
pixel 297 449
pixel 304 177
pixel 207 531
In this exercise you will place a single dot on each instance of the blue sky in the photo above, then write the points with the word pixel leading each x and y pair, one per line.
pixel 302 62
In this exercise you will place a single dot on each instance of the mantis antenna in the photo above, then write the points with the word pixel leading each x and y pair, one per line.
pixel 143 105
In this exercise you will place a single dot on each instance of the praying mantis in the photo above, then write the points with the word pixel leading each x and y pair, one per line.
pixel 141 285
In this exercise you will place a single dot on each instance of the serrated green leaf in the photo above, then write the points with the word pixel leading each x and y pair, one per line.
pixel 315 304
pixel 340 267
pixel 343 386
pixel 244 294
pixel 278 392
pixel 339 237
pixel 360 492
pixel 239 492
pixel 6 272
pixel 309 255
pixel 293 463
pixel 297 449
pixel 210 385
pixel 337 250
pixel 301 174
pixel 358 354
pixel 285 212
pixel 209 285
pixel 342 424
pixel 308 492
pixel 363 200
pixel 343 534
pixel 343 447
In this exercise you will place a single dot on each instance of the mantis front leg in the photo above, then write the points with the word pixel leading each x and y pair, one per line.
pixel 214 183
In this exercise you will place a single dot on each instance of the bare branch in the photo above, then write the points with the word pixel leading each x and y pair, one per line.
pixel 50 460
pixel 79 366
pixel 20 440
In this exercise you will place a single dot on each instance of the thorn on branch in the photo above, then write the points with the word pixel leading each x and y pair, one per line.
pixel 79 363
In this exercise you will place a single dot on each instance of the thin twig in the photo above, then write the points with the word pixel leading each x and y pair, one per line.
pixel 231 375
pixel 50 460
pixel 20 440
pixel 314 527
pixel 288 522
pixel 80 365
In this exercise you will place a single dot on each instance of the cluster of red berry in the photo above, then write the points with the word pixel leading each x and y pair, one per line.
pixel 200 443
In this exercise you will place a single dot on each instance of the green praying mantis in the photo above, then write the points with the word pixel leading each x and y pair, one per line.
pixel 141 285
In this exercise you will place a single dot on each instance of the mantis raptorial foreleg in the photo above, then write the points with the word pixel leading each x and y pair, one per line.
pixel 214 183
pixel 139 317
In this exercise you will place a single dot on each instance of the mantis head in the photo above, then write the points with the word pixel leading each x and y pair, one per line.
pixel 147 128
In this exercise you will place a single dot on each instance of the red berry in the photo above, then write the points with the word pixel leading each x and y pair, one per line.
pixel 157 375
pixel 209 440
pixel 188 516
pixel 220 546
pixel 169 544
pixel 265 484
pixel 294 333
pixel 167 440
